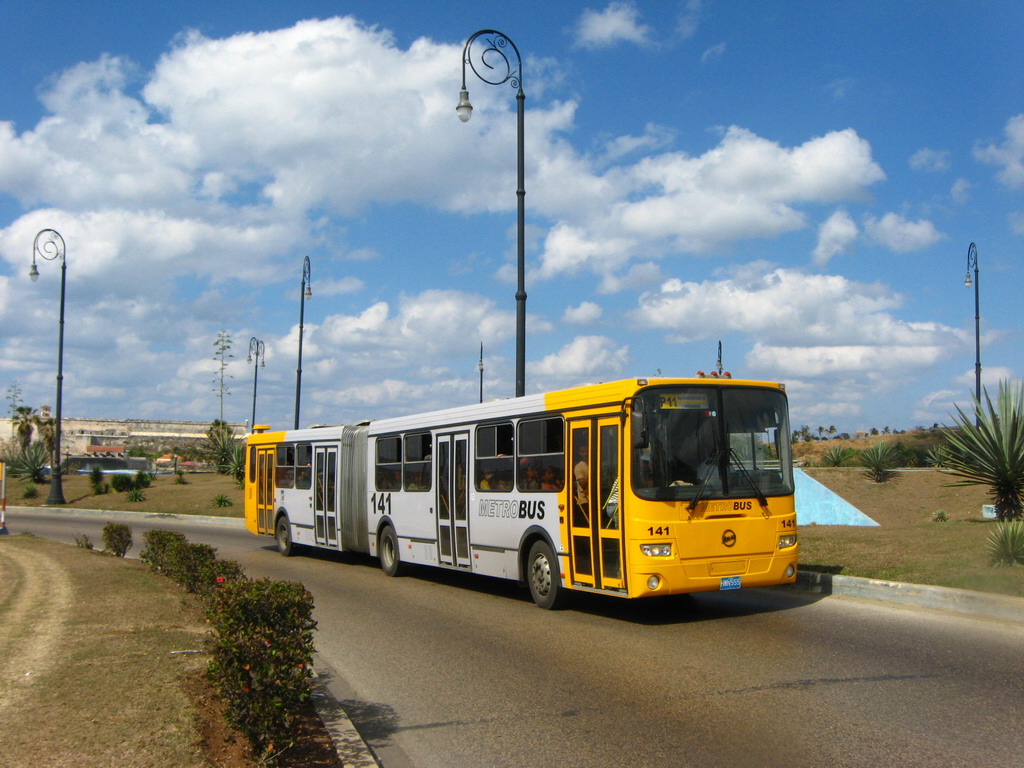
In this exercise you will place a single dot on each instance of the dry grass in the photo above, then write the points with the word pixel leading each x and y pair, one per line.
pixel 166 495
pixel 89 675
pixel 907 545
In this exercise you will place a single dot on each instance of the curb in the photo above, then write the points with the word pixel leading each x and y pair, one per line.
pixel 961 601
pixel 350 746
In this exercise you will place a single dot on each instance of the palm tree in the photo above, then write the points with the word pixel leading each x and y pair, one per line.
pixel 992 452
pixel 25 421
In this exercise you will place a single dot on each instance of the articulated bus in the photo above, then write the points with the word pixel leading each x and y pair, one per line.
pixel 631 488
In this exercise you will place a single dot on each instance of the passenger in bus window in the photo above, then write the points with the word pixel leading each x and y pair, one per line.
pixel 549 480
pixel 581 476
pixel 529 479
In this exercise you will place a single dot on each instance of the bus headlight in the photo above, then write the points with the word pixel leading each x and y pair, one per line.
pixel 787 541
pixel 656 550
pixel 653 582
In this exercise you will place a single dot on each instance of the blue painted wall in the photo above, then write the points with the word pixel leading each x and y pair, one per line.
pixel 817 504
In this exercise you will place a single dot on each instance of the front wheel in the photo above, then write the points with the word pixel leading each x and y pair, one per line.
pixel 387 548
pixel 542 573
pixel 283 534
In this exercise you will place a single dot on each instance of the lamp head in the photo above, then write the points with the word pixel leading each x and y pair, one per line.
pixel 967 280
pixel 34 272
pixel 309 292
pixel 464 109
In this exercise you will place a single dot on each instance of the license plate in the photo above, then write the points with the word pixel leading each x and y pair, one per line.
pixel 730 582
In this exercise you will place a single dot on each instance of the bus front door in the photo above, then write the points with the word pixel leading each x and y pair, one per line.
pixel 452 500
pixel 265 490
pixel 595 519
pixel 325 497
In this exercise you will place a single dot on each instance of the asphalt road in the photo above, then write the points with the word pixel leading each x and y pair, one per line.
pixel 441 669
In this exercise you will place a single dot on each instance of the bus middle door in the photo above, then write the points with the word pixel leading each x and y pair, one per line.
pixel 595 519
pixel 452 500
pixel 325 497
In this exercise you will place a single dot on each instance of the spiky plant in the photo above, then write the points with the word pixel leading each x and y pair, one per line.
pixel 879 461
pixel 1006 543
pixel 837 456
pixel 991 452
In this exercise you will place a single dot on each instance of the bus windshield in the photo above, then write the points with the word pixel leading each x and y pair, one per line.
pixel 695 443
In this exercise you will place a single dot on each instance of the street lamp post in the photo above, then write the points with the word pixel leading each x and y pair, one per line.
pixel 257 350
pixel 50 245
pixel 305 292
pixel 480 367
pixel 972 262
pixel 494 45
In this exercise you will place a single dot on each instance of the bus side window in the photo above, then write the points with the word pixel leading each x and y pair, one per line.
pixel 388 470
pixel 252 463
pixel 541 454
pixel 416 470
pixel 285 472
pixel 303 465
pixel 495 460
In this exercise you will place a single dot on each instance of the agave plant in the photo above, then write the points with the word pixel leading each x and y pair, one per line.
pixel 837 456
pixel 1006 543
pixel 991 452
pixel 879 461
pixel 30 463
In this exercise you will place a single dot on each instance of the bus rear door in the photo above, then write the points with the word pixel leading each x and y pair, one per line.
pixel 265 489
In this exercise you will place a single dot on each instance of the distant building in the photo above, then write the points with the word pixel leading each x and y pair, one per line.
pixel 114 438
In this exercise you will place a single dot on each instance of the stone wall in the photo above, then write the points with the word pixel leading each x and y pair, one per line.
pixel 152 435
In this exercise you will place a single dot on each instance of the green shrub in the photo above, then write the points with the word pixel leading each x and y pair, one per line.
pixel 1006 543
pixel 879 460
pixel 143 479
pixel 30 491
pixel 96 480
pixel 136 494
pixel 122 483
pixel 159 546
pixel 179 477
pixel 262 651
pixel 222 500
pixel 117 539
pixel 194 566
pixel 81 540
pixel 940 516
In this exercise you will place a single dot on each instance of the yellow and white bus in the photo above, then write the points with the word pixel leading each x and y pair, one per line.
pixel 631 488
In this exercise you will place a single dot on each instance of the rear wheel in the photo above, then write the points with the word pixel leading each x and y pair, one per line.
pixel 542 574
pixel 387 548
pixel 283 534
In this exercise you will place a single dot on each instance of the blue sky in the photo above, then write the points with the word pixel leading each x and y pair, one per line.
pixel 800 181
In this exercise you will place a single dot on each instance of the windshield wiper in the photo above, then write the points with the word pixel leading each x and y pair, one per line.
pixel 710 464
pixel 761 498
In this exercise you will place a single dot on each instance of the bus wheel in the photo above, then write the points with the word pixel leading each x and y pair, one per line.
pixel 283 534
pixel 542 574
pixel 387 548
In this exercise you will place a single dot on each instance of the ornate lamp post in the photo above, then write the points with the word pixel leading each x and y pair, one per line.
pixel 305 292
pixel 493 65
pixel 50 245
pixel 972 262
pixel 258 351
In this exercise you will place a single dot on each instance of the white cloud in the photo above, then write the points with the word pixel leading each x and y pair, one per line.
pixel 901 235
pixel 1009 155
pixel 789 310
pixel 930 160
pixel 583 357
pixel 960 192
pixel 835 236
pixel 586 313
pixel 714 53
pixel 619 22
